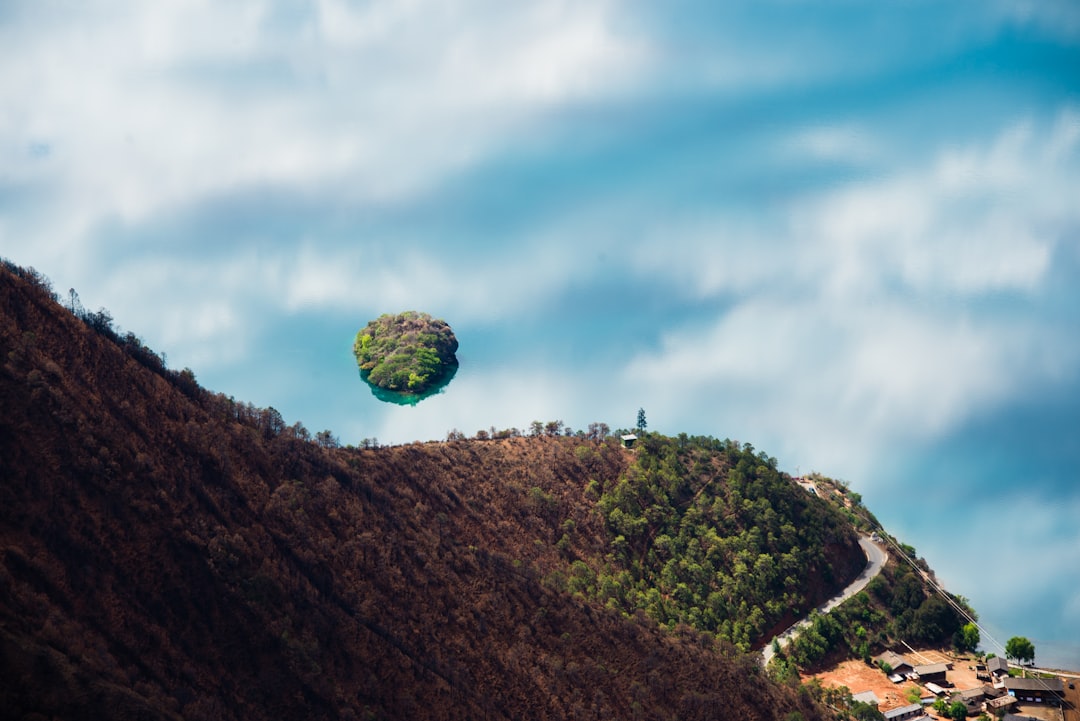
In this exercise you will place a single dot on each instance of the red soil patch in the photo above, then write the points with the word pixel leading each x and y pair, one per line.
pixel 859 677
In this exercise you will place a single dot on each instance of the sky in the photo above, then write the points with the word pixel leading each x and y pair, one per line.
pixel 847 233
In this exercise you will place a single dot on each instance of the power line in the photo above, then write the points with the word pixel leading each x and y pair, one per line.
pixel 927 577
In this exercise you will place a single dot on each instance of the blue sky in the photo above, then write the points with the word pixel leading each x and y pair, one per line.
pixel 848 233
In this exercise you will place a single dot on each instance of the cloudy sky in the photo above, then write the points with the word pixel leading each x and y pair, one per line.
pixel 846 232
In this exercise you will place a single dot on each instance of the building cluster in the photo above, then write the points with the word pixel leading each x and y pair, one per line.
pixel 999 693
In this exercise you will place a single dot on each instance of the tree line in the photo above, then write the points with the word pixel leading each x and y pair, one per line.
pixel 550 429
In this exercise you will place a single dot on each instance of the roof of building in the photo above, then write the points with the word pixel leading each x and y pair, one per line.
pixel 892 658
pixel 866 697
pixel 1001 702
pixel 972 693
pixel 1035 684
pixel 997 664
pixel 931 668
pixel 934 688
pixel 902 711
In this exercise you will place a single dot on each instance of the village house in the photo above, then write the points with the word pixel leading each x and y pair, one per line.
pixel 1006 694
pixel 897 663
pixel 1038 690
pixel 935 672
pixel 905 713
pixel 998 667
pixel 1001 703
pixel 972 698
pixel 934 688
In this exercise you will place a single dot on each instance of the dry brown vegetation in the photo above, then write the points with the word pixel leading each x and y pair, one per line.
pixel 166 552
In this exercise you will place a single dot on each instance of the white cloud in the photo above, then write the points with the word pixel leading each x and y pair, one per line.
pixel 977 220
pixel 154 107
pixel 208 312
pixel 836 382
pixel 484 288
pixel 714 255
pixel 859 325
pixel 199 313
pixel 969 221
pixel 115 118
pixel 843 143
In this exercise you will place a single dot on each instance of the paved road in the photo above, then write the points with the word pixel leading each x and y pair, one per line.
pixel 875 561
pixel 1036 669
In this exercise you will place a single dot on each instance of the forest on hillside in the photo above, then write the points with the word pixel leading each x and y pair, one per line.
pixel 708 533
pixel 171 552
pixel 897 606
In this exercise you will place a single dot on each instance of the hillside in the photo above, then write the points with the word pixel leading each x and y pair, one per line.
pixel 167 552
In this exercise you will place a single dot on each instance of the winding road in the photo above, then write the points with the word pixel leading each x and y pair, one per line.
pixel 875 561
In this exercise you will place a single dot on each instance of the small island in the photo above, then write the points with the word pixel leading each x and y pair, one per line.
pixel 409 353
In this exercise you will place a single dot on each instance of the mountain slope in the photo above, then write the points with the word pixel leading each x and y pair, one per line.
pixel 166 552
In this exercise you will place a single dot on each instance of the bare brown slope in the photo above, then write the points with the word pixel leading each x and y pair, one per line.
pixel 178 555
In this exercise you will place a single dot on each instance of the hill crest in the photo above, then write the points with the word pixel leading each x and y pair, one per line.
pixel 169 552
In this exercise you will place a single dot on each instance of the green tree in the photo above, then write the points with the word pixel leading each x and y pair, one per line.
pixel 907 594
pixel 641 424
pixel 1020 649
pixel 957 711
pixel 933 620
pixel 966 638
pixel 863 711
pixel 711 526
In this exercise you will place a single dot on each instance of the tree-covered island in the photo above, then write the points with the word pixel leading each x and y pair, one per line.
pixel 408 353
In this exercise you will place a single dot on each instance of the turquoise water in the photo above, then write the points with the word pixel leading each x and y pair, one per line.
pixel 410 399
